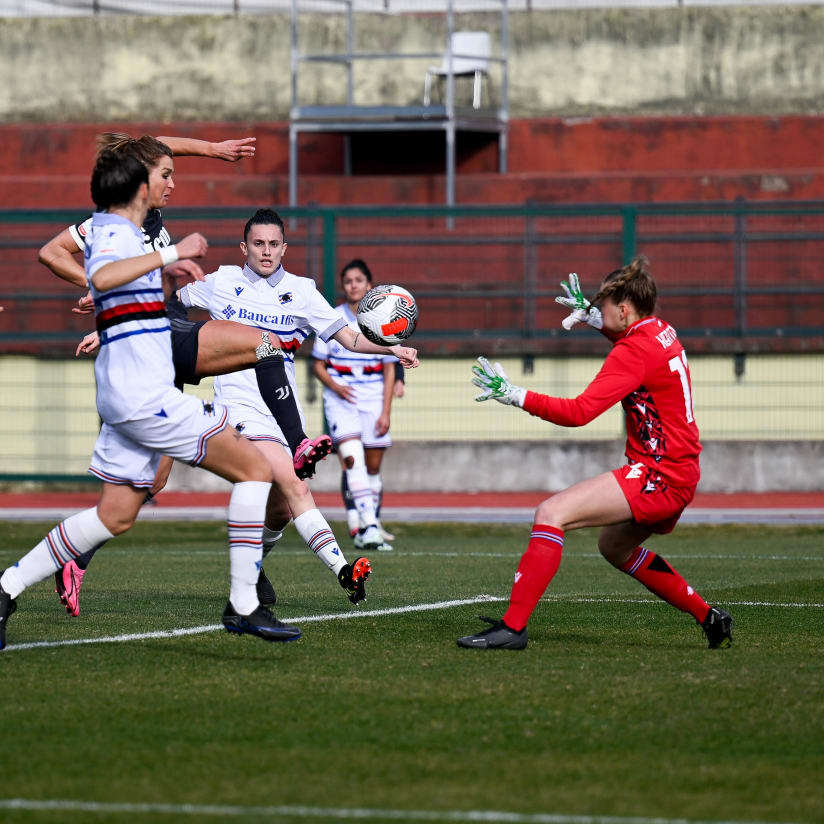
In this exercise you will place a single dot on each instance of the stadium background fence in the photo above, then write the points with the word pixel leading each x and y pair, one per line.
pixel 740 281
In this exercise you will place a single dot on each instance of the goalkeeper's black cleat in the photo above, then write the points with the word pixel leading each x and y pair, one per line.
pixel 497 636
pixel 7 607
pixel 717 627
pixel 265 591
pixel 261 623
pixel 353 579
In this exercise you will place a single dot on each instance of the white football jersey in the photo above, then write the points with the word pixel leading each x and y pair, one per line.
pixel 134 366
pixel 288 305
pixel 364 373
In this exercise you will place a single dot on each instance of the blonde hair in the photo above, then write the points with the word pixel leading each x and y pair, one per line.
pixel 147 149
pixel 631 284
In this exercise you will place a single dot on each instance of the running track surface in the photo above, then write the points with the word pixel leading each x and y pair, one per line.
pixel 511 507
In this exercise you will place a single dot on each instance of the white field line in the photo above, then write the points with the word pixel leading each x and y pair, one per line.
pixel 343 814
pixel 377 613
pixel 303 619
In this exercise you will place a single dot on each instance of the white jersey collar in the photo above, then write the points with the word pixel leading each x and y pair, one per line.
pixel 273 280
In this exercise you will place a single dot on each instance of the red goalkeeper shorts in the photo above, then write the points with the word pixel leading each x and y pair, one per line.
pixel 654 503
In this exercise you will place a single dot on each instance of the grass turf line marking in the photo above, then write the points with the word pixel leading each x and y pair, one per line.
pixel 304 619
pixel 377 613
pixel 492 817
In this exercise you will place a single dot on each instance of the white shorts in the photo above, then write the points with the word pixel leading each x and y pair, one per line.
pixel 254 425
pixel 129 452
pixel 348 420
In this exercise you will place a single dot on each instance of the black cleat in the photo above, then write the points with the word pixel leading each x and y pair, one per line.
pixel 265 591
pixel 353 579
pixel 7 607
pixel 498 636
pixel 261 622
pixel 717 627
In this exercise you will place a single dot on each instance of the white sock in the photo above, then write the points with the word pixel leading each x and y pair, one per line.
pixel 353 521
pixel 74 536
pixel 376 485
pixel 270 538
pixel 246 510
pixel 358 481
pixel 314 529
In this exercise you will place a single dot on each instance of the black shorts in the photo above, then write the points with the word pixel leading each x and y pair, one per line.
pixel 184 350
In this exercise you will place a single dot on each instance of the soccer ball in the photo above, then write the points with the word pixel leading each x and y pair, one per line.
pixel 387 314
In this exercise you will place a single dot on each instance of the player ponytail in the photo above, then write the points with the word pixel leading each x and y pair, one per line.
pixel 631 284
pixel 147 149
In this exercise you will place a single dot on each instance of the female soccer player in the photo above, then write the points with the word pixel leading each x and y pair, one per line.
pixel 144 415
pixel 647 372
pixel 201 348
pixel 263 292
pixel 357 401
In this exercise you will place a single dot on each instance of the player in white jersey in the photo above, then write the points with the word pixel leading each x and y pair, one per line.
pixel 198 348
pixel 357 401
pixel 144 415
pixel 263 294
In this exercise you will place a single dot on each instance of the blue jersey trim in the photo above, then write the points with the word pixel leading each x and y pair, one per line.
pixel 111 338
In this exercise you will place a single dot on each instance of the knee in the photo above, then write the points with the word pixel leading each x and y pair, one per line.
pixel 348 462
pixel 116 523
pixel 616 555
pixel 549 514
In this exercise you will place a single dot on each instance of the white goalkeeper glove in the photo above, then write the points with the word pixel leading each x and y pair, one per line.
pixel 582 310
pixel 495 384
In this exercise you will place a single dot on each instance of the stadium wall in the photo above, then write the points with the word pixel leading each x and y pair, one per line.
pixel 692 61
pixel 552 160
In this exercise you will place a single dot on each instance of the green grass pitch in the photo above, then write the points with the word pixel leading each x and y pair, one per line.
pixel 616 709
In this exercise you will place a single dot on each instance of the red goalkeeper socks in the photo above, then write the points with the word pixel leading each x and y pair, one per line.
pixel 538 566
pixel 662 580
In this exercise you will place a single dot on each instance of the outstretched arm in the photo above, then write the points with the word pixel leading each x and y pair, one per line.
pixel 356 342
pixel 229 150
pixel 120 272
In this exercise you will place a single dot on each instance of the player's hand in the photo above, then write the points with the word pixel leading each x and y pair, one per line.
pixel 382 426
pixel 399 389
pixel 494 383
pixel 406 355
pixel 192 246
pixel 184 269
pixel 582 311
pixel 346 392
pixel 85 305
pixel 234 150
pixel 88 346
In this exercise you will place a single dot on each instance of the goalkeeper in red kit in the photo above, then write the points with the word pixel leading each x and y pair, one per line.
pixel 647 371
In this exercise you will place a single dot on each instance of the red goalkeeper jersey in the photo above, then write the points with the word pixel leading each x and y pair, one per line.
pixel 647 371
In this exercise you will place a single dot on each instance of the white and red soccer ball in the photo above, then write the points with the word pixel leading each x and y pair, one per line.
pixel 387 314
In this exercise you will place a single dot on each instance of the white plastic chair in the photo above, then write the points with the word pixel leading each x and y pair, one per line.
pixel 477 45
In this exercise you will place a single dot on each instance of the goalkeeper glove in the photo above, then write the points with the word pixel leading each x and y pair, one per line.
pixel 582 311
pixel 493 381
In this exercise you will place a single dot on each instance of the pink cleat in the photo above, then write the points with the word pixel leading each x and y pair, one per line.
pixel 68 581
pixel 309 452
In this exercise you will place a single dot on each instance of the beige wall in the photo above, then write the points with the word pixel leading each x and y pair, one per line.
pixel 678 61
pixel 48 421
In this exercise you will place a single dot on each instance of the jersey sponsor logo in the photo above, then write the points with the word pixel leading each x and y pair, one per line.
pixel 259 317
pixel 229 311
pixel 286 297
pixel 635 471
pixel 667 337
